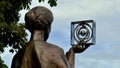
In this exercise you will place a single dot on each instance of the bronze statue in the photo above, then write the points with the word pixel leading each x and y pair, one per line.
pixel 38 53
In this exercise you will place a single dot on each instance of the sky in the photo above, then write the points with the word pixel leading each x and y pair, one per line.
pixel 106 14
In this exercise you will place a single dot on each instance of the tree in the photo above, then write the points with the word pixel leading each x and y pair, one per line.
pixel 13 33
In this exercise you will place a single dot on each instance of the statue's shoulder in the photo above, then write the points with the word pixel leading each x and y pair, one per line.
pixel 56 46
pixel 47 46
pixel 56 49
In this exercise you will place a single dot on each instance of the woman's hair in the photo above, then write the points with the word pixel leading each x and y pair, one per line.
pixel 39 18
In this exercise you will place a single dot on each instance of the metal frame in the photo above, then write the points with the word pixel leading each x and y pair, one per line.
pixel 82 28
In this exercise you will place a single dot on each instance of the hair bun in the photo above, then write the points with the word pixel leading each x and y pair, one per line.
pixel 38 18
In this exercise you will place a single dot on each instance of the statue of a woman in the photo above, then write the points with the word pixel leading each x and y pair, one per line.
pixel 38 53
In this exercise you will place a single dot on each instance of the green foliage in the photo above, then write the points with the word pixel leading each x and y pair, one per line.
pixel 41 0
pixel 52 2
pixel 13 33
pixel 9 9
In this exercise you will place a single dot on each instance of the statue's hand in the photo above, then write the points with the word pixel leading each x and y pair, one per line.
pixel 79 48
pixel 75 49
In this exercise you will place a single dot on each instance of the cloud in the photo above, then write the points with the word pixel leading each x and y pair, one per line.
pixel 7 56
pixel 81 8
pixel 22 15
pixel 105 54
pixel 99 56
pixel 91 62
pixel 107 30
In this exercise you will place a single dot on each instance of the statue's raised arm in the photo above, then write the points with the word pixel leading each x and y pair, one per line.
pixel 38 53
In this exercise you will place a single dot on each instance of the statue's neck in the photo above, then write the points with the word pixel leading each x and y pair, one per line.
pixel 37 35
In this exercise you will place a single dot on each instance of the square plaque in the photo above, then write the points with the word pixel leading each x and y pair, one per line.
pixel 83 32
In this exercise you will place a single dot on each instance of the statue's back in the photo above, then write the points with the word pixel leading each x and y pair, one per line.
pixel 39 54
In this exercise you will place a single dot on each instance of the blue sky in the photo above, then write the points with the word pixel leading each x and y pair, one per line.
pixel 106 13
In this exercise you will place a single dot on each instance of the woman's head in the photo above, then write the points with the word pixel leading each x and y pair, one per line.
pixel 39 18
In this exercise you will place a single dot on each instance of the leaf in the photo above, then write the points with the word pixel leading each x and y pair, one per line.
pixel 11 50
pixel 41 0
pixel 52 3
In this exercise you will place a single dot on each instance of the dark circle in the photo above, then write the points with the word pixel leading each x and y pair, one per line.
pixel 82 32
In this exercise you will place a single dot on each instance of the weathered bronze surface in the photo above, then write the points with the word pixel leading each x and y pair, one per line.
pixel 38 53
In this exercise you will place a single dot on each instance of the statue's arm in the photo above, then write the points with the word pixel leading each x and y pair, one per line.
pixel 17 59
pixel 70 55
